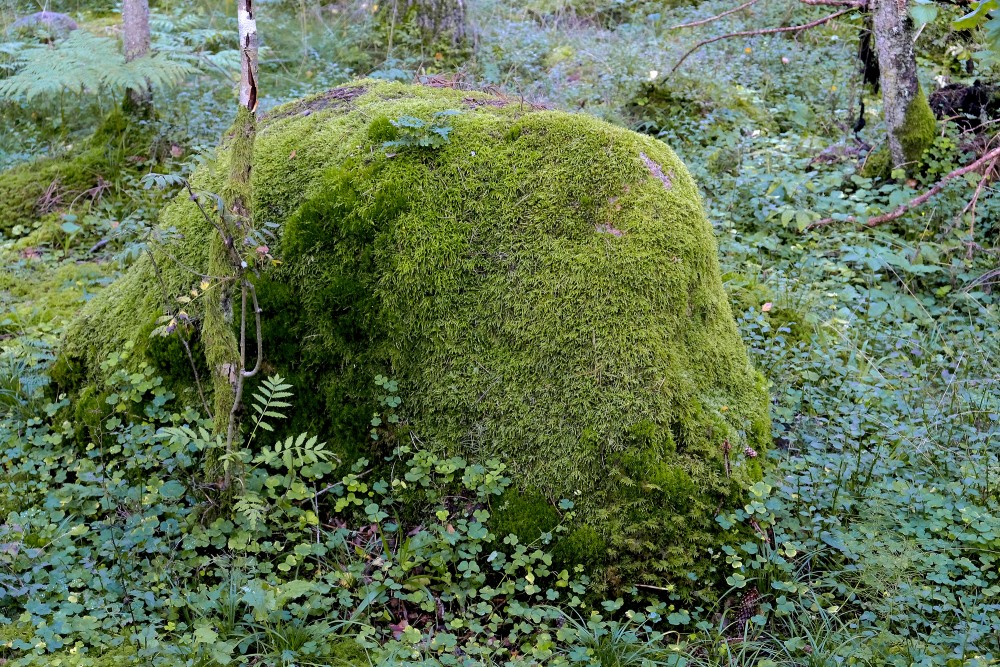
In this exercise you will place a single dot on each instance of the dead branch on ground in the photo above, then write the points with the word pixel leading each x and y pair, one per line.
pixel 714 18
pixel 765 31
pixel 901 210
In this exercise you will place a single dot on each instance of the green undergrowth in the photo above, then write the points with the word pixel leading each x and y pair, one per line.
pixel 503 303
pixel 47 184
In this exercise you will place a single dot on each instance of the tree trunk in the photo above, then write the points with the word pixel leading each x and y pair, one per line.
pixel 135 35
pixel 227 354
pixel 909 120
pixel 439 21
pixel 135 20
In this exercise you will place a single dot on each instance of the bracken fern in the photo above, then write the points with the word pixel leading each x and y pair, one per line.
pixel 85 63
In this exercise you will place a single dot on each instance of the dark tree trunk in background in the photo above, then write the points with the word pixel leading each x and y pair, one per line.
pixel 135 35
pixel 910 123
pixel 438 20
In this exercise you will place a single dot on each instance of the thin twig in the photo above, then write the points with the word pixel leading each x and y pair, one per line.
pixel 767 31
pixel 240 378
pixel 260 338
pixel 971 206
pixel 857 4
pixel 714 18
pixel 901 210
pixel 227 240
pixel 100 244
pixel 187 348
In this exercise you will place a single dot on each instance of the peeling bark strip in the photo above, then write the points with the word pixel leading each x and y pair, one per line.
pixel 248 63
pixel 893 32
pixel 657 171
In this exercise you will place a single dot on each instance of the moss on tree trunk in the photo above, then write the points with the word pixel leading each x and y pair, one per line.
pixel 910 123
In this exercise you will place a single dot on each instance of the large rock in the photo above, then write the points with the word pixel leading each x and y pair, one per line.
pixel 58 24
pixel 543 286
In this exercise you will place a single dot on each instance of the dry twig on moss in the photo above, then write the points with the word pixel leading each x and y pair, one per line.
pixel 765 31
pixel 901 210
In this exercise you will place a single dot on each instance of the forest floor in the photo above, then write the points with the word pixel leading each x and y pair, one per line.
pixel 882 501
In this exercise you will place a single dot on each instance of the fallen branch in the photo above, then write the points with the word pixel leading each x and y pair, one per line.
pixel 766 31
pixel 100 244
pixel 713 18
pixel 971 206
pixel 901 210
pixel 857 4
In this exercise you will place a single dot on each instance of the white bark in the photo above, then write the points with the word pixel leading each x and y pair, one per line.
pixel 248 48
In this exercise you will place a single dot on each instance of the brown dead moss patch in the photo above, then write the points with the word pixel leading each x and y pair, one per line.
pixel 333 98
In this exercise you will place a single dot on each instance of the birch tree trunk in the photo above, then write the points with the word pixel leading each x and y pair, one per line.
pixel 135 35
pixel 909 120
pixel 227 354
pixel 248 52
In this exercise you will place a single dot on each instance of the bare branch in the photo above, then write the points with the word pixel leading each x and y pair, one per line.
pixel 901 210
pixel 714 18
pixel 857 4
pixel 168 307
pixel 766 31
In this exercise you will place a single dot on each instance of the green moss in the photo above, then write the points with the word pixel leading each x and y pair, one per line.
pixel 40 294
pixel 919 129
pixel 544 287
pixel 348 652
pixel 526 515
pixel 530 516
pixel 878 164
pixel 30 190
pixel 916 136
pixel 382 130
pixel 221 344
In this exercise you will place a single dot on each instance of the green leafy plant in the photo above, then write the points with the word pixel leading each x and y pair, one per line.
pixel 86 64
pixel 414 132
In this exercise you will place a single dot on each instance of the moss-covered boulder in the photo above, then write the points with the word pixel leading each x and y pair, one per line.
pixel 543 286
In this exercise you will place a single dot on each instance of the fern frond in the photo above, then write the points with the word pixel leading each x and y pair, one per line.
pixel 86 63
pixel 267 401
pixel 253 507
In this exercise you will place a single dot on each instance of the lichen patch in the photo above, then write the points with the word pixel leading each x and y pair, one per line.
pixel 475 102
pixel 657 171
